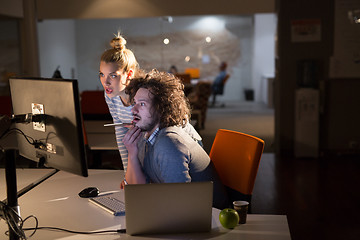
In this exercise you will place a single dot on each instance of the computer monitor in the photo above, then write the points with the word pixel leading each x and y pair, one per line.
pixel 58 140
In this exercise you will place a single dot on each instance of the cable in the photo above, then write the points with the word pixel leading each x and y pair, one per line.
pixel 15 222
pixel 28 138
pixel 36 143
pixel 76 232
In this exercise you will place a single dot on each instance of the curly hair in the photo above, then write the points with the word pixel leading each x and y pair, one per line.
pixel 169 100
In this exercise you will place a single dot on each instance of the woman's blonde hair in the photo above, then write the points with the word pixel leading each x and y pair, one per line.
pixel 119 54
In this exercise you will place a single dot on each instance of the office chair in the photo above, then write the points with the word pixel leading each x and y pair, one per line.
pixel 6 105
pixel 93 105
pixel 236 157
pixel 198 100
pixel 219 90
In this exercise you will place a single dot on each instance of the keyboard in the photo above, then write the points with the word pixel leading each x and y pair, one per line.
pixel 111 203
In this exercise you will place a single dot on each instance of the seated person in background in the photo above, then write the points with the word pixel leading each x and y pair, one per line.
pixel 173 70
pixel 160 151
pixel 218 84
pixel 199 99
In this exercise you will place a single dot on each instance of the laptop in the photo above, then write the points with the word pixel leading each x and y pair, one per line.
pixel 168 208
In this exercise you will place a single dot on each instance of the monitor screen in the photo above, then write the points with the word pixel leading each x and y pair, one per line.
pixel 56 141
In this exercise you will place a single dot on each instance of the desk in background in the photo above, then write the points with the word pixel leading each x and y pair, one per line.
pixel 100 140
pixel 55 203
pixel 100 137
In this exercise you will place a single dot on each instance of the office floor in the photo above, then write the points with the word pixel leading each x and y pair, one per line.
pixel 319 196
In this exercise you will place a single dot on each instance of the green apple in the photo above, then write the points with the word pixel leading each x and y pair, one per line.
pixel 229 218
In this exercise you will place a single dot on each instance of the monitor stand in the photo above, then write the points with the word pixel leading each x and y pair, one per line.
pixel 11 188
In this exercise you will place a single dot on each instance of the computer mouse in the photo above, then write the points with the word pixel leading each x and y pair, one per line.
pixel 89 192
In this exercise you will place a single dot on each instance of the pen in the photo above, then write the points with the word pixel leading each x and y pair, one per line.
pixel 116 124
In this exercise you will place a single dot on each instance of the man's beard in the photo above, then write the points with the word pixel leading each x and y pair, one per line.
pixel 150 126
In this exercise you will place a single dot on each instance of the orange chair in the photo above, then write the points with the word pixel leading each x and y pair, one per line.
pixel 236 157
pixel 194 72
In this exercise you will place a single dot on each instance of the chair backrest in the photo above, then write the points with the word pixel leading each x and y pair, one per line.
pixel 194 72
pixel 5 105
pixel 184 77
pixel 93 105
pixel 226 78
pixel 236 157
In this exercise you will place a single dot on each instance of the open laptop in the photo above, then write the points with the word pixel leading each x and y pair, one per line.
pixel 168 207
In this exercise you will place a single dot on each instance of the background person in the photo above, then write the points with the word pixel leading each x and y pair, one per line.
pixel 218 84
pixel 173 69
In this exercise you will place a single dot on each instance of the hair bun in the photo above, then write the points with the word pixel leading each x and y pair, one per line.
pixel 118 43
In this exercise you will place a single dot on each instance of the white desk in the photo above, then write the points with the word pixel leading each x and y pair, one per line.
pixel 55 203
pixel 24 178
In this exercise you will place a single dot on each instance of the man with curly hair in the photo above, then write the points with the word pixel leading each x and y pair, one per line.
pixel 160 151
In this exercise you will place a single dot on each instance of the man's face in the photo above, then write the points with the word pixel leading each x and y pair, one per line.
pixel 145 116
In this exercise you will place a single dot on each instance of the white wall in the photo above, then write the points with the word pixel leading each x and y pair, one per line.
pixel 57 47
pixel 264 54
pixel 93 38
pixel 240 73
pixel 78 44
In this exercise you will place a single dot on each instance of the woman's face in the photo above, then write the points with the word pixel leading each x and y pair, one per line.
pixel 113 79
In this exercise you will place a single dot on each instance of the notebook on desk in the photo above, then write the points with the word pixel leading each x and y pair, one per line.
pixel 168 208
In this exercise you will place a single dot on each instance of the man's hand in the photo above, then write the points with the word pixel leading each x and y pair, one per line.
pixel 134 173
pixel 122 184
pixel 131 139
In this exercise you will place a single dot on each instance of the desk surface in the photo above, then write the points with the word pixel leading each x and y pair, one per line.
pixel 55 203
pixel 24 177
